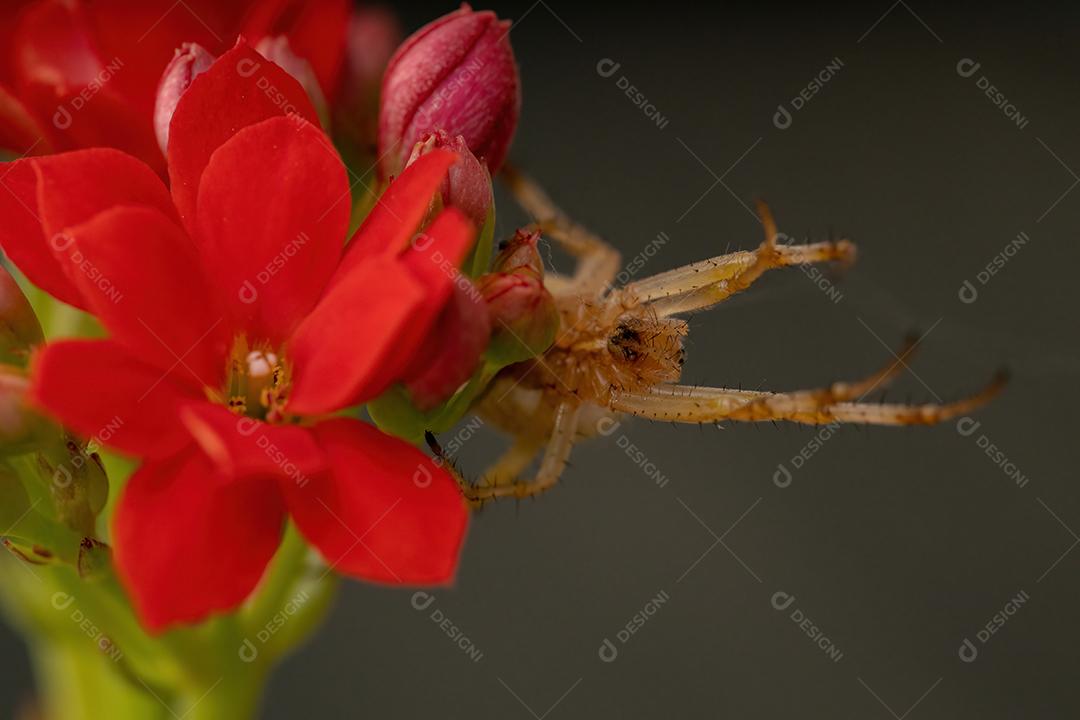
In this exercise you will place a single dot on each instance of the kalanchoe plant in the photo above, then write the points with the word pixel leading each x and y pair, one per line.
pixel 182 452
pixel 239 320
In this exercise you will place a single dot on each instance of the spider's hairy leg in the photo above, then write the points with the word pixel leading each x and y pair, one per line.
pixel 598 262
pixel 726 400
pixel 708 282
pixel 512 463
pixel 857 390
pixel 552 464
pixel 675 403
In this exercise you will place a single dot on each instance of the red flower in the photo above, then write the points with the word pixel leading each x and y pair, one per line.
pixel 237 323
pixel 75 74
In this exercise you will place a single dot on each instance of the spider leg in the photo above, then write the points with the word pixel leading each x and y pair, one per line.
pixel 598 262
pixel 552 464
pixel 838 403
pixel 708 282
pixel 731 400
pixel 512 463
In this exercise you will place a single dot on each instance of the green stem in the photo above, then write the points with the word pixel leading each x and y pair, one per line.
pixel 234 695
pixel 288 606
pixel 279 581
pixel 77 683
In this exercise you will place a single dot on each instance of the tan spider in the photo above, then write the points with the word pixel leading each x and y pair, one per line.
pixel 619 350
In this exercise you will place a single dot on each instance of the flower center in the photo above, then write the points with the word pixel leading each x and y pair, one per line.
pixel 258 381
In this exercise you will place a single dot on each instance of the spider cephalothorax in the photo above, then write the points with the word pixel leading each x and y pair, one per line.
pixel 606 345
pixel 620 350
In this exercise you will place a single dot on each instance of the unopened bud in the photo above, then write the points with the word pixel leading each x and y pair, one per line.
pixel 467 185
pixel 455 74
pixel 94 559
pixel 374 33
pixel 77 480
pixel 452 351
pixel 20 427
pixel 189 61
pixel 520 252
pixel 524 318
pixel 277 50
pixel 20 331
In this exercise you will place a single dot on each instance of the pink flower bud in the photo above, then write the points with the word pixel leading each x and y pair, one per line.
pixel 20 331
pixel 277 50
pixel 524 318
pixel 374 34
pixel 452 351
pixel 468 185
pixel 456 74
pixel 190 60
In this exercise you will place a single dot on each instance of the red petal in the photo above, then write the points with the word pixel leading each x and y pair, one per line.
pixel 433 260
pixel 22 237
pixel 188 544
pixel 52 50
pixel 452 350
pixel 48 194
pixel 384 512
pixel 247 448
pixel 240 89
pixel 144 34
pixel 316 33
pixel 64 77
pixel 398 213
pixel 273 211
pixel 141 276
pixel 346 340
pixel 19 131
pixel 75 186
pixel 100 391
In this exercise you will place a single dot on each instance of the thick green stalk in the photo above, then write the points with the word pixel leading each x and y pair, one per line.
pixel 79 683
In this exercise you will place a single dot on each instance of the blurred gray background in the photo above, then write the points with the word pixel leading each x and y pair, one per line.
pixel 898 545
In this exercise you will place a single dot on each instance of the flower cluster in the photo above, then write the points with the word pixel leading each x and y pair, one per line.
pixel 188 195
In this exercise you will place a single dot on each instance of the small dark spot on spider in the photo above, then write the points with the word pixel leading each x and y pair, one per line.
pixel 623 339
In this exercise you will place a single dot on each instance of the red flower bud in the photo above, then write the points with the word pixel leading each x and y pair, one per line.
pixel 456 74
pixel 452 351
pixel 524 318
pixel 190 60
pixel 277 50
pixel 467 185
pixel 20 331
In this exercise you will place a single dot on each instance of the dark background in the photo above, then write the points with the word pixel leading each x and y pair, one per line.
pixel 898 544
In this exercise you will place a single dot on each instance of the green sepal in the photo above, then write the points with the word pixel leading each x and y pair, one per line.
pixel 479 260
pixel 395 414
pixel 31 535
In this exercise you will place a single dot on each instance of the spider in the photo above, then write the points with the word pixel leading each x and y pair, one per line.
pixel 620 351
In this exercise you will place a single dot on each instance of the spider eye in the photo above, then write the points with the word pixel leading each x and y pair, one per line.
pixel 625 343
